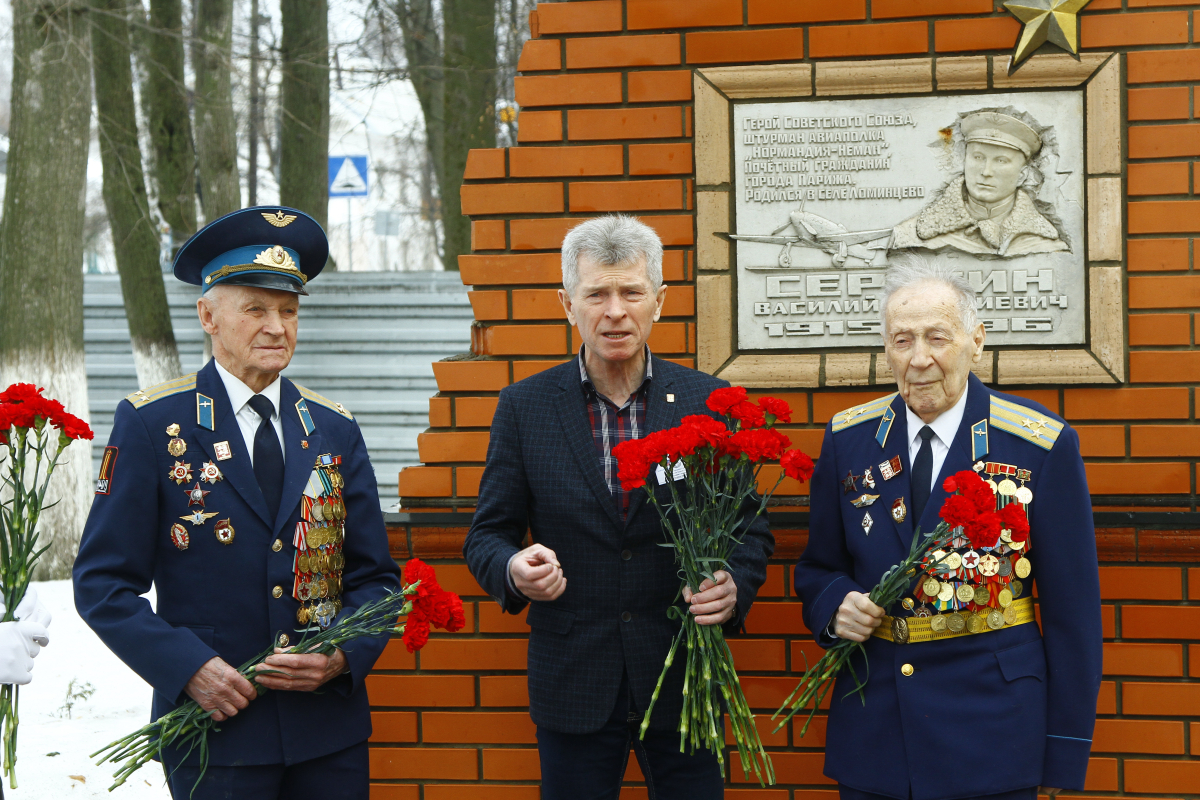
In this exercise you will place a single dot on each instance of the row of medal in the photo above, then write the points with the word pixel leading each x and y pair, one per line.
pixel 181 473
pixel 977 587
pixel 318 540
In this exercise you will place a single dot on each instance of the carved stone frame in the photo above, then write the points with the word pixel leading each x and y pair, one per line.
pixel 1102 360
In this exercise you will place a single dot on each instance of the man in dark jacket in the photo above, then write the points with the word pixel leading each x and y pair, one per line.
pixel 597 646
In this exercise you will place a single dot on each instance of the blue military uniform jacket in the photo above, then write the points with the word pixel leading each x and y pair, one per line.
pixel 216 599
pixel 980 714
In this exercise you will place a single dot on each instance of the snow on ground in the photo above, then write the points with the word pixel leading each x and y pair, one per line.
pixel 119 706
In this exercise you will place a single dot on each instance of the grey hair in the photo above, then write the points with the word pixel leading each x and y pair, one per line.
pixel 907 270
pixel 608 240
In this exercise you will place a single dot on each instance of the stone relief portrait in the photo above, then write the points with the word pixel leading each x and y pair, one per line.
pixel 826 191
pixel 990 207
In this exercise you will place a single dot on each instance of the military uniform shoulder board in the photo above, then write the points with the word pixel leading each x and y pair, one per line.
pixel 143 397
pixel 313 397
pixel 853 416
pixel 1025 423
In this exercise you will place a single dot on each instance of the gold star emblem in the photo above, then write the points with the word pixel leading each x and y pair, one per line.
pixel 1054 21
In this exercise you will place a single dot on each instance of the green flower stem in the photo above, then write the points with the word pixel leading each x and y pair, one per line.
pixel 187 726
pixel 819 678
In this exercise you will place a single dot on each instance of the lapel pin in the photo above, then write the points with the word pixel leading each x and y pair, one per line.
pixel 304 444
pixel 670 398
pixel 222 450
pixel 899 512
pixel 865 500
pixel 867 523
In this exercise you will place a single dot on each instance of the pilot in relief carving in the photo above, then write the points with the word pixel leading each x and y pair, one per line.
pixel 990 207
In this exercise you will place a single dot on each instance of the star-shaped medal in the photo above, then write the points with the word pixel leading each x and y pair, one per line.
pixel 848 483
pixel 196 495
pixel 210 473
pixel 1055 21
pixel 181 473
pixel 198 517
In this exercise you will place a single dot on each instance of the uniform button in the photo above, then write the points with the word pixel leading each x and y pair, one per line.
pixel 283 640
pixel 906 670
pixel 276 545
pixel 626 616
pixel 277 591
pixel 626 555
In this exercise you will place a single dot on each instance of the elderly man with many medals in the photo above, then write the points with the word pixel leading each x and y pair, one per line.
pixel 250 504
pixel 959 666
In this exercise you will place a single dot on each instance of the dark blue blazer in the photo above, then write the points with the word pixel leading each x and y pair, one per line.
pixel 215 599
pixel 543 476
pixel 982 714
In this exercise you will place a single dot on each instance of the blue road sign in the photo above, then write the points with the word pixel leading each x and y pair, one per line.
pixel 348 176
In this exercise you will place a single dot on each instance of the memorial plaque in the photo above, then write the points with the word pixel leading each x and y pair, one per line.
pixel 827 191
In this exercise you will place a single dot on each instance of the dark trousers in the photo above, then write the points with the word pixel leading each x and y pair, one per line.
pixel 590 766
pixel 846 793
pixel 344 774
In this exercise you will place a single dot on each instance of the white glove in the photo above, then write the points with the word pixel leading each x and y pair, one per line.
pixel 20 641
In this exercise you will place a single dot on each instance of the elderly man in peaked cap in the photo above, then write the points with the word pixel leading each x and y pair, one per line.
pixel 988 211
pixel 250 504
pixel 966 696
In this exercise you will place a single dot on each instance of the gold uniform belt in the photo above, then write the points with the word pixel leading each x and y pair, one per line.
pixel 910 630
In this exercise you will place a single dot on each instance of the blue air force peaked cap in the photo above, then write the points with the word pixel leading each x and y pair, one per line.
pixel 271 247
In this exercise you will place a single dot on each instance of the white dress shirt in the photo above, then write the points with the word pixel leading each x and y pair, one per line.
pixel 247 418
pixel 945 428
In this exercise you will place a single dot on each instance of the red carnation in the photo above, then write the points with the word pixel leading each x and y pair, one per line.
pixel 72 426
pixel 21 393
pixel 1014 519
pixel 973 487
pixel 417 570
pixel 957 511
pixel 760 444
pixel 747 413
pixel 416 632
pixel 796 464
pixel 457 619
pixel 711 431
pixel 776 408
pixel 725 398
pixel 949 486
pixel 984 530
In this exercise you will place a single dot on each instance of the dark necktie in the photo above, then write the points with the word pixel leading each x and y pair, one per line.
pixel 268 455
pixel 922 473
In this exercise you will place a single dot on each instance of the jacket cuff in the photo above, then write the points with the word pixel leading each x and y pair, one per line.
pixel 1066 762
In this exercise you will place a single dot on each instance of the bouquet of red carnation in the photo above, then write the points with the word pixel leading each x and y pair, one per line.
pixel 188 725
pixel 720 463
pixel 35 429
pixel 969 514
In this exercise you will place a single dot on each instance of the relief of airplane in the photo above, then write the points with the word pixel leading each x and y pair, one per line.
pixel 814 231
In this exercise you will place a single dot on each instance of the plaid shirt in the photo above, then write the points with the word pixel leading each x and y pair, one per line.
pixel 612 425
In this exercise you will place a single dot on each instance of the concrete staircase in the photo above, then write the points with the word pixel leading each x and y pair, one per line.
pixel 367 340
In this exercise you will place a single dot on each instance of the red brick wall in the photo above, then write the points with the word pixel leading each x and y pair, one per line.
pixel 606 125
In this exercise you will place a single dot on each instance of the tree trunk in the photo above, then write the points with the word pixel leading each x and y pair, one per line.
pixel 216 128
pixel 41 241
pixel 135 241
pixel 469 32
pixel 166 101
pixel 304 138
pixel 423 53
pixel 253 118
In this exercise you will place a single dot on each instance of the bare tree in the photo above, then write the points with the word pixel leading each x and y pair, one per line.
pixel 41 239
pixel 165 98
pixel 216 128
pixel 304 134
pixel 135 240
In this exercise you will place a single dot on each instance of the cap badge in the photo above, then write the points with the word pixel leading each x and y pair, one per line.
pixel 279 219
